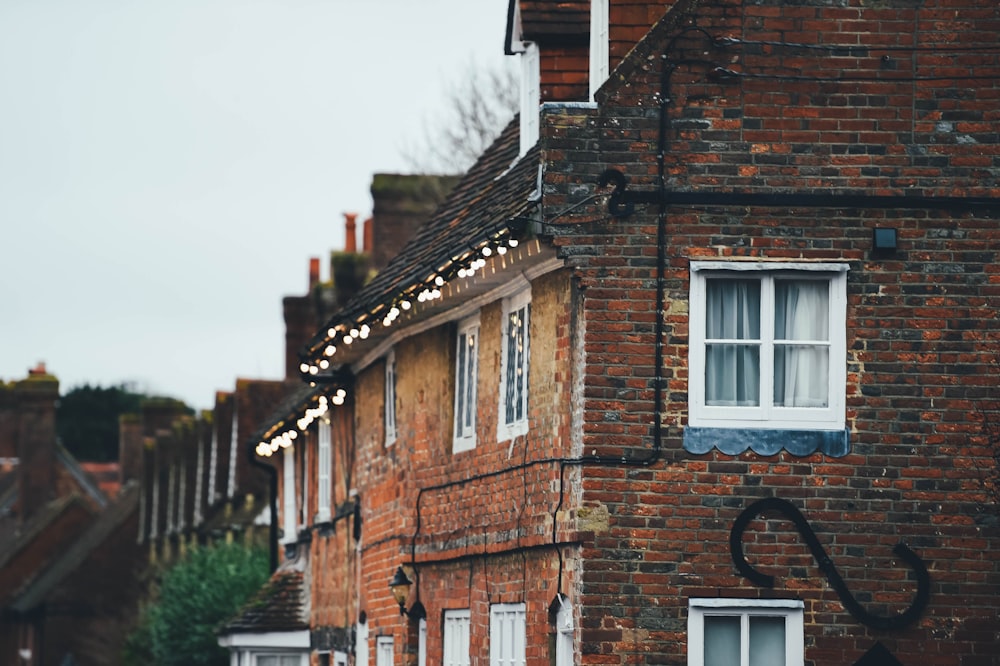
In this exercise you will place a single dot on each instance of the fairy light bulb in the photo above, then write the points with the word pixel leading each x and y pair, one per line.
pixel 304 367
pixel 324 364
pixel 439 281
pixel 355 333
pixel 512 242
pixel 406 305
pixel 487 251
pixel 365 330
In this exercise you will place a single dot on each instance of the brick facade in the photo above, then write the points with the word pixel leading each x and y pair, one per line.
pixel 761 136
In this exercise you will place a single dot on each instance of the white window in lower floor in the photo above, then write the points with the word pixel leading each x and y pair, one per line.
pixel 383 651
pixel 422 642
pixel 507 635
pixel 279 660
pixel 564 633
pixel 745 632
pixel 456 638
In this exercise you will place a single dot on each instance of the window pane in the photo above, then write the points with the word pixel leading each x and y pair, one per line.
pixel 732 375
pixel 460 387
pixel 267 660
pixel 767 641
pixel 801 310
pixel 470 383
pixel 801 376
pixel 722 640
pixel 732 310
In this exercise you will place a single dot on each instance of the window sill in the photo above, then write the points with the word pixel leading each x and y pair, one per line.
pixel 767 442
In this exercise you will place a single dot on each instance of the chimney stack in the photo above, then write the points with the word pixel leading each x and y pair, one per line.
pixel 36 399
pixel 368 234
pixel 350 227
pixel 313 272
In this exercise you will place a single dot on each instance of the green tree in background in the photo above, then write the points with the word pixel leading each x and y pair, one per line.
pixel 87 420
pixel 196 595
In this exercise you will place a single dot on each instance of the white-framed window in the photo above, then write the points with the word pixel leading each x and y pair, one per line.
pixel 507 635
pixel 361 644
pixel 390 398
pixel 767 345
pixel 198 483
pixel 323 467
pixel 598 44
pixel 514 360
pixel 303 488
pixel 289 513
pixel 466 377
pixel 339 658
pixel 456 637
pixel 745 632
pixel 531 96
pixel 564 633
pixel 422 642
pixel 278 660
pixel 234 447
pixel 383 651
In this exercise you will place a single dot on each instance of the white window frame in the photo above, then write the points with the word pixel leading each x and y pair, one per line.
pixel 455 638
pixel 520 301
pixel 198 482
pixel 531 96
pixel 297 656
pixel 767 416
pixel 384 651
pixel 303 491
pixel 599 45
pixel 508 631
pixel 390 398
pixel 361 644
pixel 323 469
pixel 466 385
pixel 790 609
pixel 234 446
pixel 564 633
pixel 339 658
pixel 422 642
pixel 289 512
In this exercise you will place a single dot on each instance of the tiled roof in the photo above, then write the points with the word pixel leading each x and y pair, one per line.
pixel 109 520
pixel 495 190
pixel 278 606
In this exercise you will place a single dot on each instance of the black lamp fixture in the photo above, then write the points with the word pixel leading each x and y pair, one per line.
pixel 400 586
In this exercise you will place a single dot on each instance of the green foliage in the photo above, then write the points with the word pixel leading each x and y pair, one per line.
pixel 196 596
pixel 87 420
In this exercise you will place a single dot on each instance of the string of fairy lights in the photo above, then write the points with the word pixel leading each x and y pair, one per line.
pixel 386 313
pixel 284 433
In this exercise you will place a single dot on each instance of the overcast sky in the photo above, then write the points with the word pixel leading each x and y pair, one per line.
pixel 167 168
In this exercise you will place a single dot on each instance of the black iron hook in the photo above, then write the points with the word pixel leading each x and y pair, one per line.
pixel 791 512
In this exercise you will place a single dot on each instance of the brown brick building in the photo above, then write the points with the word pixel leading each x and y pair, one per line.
pixel 672 381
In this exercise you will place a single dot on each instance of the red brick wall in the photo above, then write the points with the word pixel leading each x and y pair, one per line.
pixel 918 333
pixel 485 515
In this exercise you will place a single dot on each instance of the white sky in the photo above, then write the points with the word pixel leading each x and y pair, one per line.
pixel 167 168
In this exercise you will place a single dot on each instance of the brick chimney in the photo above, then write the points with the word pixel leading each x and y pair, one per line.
pixel 301 320
pixel 36 399
pixel 350 232
pixel 129 447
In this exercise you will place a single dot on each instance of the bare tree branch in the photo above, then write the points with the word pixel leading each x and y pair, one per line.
pixel 478 106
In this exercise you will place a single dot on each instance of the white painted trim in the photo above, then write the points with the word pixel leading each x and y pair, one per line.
pixel 466 441
pixel 599 45
pixel 389 400
pixel 518 427
pixel 768 416
pixel 275 639
pixel 790 609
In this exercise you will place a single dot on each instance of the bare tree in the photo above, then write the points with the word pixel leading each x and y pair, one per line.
pixel 478 105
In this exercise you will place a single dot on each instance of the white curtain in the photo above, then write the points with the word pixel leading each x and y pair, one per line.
pixel 802 316
pixel 732 370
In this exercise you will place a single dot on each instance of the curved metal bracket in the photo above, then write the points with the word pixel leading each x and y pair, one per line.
pixel 790 511
pixel 618 206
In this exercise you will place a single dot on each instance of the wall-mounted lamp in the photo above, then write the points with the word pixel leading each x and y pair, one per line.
pixel 883 240
pixel 400 586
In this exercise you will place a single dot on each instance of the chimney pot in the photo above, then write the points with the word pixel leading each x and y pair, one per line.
pixel 313 272
pixel 350 226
